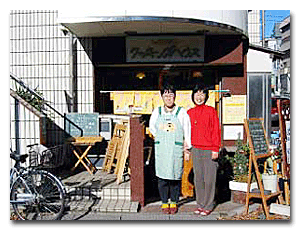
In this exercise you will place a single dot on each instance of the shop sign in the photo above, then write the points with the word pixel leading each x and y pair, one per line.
pixel 165 49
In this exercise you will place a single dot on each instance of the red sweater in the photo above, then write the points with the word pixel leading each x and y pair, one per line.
pixel 205 128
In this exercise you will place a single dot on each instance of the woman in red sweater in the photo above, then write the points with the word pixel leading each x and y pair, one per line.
pixel 206 141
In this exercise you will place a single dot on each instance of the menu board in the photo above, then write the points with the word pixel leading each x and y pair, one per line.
pixel 88 122
pixel 257 136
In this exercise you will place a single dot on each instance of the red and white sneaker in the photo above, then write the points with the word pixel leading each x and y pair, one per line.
pixel 198 211
pixel 205 212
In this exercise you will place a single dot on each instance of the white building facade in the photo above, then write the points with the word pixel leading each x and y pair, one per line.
pixel 46 55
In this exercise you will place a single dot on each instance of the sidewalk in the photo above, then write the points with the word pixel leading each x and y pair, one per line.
pixel 106 200
pixel 152 212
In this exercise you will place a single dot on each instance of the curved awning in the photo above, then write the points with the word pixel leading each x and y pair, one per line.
pixel 129 25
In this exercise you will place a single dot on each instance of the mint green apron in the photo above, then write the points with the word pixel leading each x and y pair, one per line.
pixel 169 146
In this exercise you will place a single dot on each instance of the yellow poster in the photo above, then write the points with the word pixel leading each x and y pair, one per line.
pixel 234 109
pixel 183 99
pixel 211 99
pixel 143 102
pixel 157 100
pixel 123 101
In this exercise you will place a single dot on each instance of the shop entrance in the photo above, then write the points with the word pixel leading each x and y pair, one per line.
pixel 150 78
pixel 144 78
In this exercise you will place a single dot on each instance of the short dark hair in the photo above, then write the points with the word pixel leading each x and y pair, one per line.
pixel 200 87
pixel 168 88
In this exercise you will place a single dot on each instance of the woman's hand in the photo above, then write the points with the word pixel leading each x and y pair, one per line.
pixel 187 155
pixel 186 152
pixel 214 155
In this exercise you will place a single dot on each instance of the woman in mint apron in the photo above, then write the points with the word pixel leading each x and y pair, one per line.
pixel 170 125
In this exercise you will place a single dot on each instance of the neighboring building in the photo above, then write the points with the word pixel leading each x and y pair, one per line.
pixel 254 27
pixel 280 41
pixel 274 43
pixel 259 69
pixel 285 68
pixel 269 65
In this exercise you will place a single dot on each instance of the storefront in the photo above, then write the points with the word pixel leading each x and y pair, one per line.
pixel 133 56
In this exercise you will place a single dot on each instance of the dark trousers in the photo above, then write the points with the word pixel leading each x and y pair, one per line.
pixel 205 172
pixel 169 189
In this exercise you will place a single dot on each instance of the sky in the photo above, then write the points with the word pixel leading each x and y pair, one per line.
pixel 272 16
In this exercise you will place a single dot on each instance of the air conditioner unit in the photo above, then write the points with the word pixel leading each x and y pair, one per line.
pixel 106 128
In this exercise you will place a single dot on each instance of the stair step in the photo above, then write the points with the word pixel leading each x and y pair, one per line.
pixel 116 205
pixel 105 196
pixel 117 191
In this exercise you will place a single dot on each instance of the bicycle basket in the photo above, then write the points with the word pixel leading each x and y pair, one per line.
pixel 53 157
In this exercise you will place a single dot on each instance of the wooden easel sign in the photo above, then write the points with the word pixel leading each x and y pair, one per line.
pixel 284 125
pixel 259 149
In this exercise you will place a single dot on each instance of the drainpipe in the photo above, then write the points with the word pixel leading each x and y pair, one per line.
pixel 17 126
pixel 73 73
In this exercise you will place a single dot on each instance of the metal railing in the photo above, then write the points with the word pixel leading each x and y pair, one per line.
pixel 43 106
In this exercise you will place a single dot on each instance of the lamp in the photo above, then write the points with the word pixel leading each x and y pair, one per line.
pixel 141 75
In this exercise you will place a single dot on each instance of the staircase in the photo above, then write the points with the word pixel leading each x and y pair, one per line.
pixel 99 192
pixel 51 133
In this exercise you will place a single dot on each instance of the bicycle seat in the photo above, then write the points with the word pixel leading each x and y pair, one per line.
pixel 19 158
pixel 29 146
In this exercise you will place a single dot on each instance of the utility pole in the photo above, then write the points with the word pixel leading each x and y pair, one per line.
pixel 263 27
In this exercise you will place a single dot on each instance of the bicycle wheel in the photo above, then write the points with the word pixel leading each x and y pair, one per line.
pixel 21 197
pixel 47 198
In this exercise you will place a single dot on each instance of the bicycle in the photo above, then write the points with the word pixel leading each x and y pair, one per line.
pixel 35 194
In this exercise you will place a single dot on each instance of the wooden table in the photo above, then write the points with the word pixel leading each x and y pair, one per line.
pixel 76 142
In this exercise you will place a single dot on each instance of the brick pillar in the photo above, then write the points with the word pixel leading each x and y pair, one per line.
pixel 136 160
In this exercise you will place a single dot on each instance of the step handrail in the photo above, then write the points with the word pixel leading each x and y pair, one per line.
pixel 20 82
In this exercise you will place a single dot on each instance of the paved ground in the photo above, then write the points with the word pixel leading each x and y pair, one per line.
pixel 152 212
pixel 109 207
pixel 95 199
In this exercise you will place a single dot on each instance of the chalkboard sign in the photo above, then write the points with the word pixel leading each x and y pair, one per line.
pixel 259 150
pixel 257 135
pixel 88 122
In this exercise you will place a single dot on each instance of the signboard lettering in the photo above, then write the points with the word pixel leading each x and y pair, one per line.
pixel 165 49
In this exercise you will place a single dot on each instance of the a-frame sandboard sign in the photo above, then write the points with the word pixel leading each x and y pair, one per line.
pixel 259 149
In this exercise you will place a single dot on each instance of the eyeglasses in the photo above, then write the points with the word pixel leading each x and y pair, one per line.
pixel 169 95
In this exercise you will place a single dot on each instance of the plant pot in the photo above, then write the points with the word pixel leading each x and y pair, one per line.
pixel 270 182
pixel 241 186
pixel 239 191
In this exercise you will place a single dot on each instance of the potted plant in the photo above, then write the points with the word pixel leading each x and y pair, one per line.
pixel 240 167
pixel 32 99
pixel 269 177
